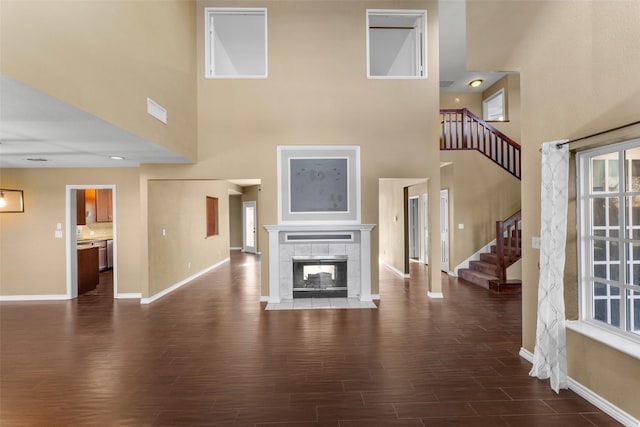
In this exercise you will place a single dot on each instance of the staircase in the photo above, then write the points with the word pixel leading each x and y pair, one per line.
pixel 463 130
pixel 490 271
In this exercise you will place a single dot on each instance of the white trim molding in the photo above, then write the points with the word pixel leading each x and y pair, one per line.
pixel 131 295
pixel 181 283
pixel 395 270
pixel 55 297
pixel 435 295
pixel 596 400
pixel 264 298
pixel 375 297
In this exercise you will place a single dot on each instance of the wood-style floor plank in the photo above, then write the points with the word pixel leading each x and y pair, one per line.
pixel 209 354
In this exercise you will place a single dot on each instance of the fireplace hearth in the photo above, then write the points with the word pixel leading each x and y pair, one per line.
pixel 320 276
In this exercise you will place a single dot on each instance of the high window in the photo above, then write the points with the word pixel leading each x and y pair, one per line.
pixel 396 44
pixel 236 43
pixel 493 108
pixel 609 240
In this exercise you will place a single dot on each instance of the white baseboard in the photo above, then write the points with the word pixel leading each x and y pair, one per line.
pixel 133 295
pixel 181 283
pixel 435 295
pixel 239 248
pixel 375 297
pixel 596 400
pixel 55 297
pixel 475 257
pixel 395 270
pixel 264 298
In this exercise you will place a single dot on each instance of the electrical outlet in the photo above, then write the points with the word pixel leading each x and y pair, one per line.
pixel 189 265
pixel 164 232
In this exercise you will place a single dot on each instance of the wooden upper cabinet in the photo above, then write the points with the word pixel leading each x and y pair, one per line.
pixel 81 216
pixel 104 211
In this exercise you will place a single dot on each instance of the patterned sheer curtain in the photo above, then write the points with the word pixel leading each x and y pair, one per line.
pixel 550 354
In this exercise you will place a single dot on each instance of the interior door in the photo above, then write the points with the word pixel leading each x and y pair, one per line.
pixel 444 228
pixel 414 228
pixel 249 221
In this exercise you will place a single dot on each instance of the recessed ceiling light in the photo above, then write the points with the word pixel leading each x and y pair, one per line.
pixel 37 160
pixel 117 158
pixel 475 83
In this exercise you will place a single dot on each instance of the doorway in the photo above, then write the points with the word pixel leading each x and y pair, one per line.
pixel 79 233
pixel 444 229
pixel 249 221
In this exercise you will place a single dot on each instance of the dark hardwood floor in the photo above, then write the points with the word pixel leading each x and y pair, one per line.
pixel 209 354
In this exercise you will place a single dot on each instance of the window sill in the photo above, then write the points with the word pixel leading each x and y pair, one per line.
pixel 610 339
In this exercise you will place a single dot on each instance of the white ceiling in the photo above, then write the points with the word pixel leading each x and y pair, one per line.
pixel 39 131
pixel 454 76
pixel 36 126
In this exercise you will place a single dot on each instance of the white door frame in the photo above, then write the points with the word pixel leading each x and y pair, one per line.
pixel 72 241
pixel 425 218
pixel 245 248
pixel 444 229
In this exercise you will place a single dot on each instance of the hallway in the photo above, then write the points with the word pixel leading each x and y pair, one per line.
pixel 209 354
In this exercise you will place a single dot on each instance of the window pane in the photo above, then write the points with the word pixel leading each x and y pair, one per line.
pixel 597 175
pixel 632 215
pixel 599 250
pixel 612 175
pixel 605 212
pixel 606 304
pixel 632 174
pixel 633 311
pixel 599 289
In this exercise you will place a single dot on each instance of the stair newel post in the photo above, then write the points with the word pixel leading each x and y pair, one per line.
pixel 502 274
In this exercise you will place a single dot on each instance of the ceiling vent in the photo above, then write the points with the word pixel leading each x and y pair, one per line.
pixel 446 83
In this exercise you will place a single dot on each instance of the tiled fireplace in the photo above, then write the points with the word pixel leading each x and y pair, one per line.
pixel 331 245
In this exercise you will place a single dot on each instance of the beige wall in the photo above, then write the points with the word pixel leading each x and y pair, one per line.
pixel 578 63
pixel 107 57
pixel 511 85
pixel 32 260
pixel 480 193
pixel 458 100
pixel 179 208
pixel 317 96
pixel 235 221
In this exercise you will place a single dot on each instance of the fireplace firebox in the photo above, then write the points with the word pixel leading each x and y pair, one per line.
pixel 320 276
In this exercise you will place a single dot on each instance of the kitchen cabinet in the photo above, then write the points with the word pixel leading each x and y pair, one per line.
pixel 104 202
pixel 88 274
pixel 81 216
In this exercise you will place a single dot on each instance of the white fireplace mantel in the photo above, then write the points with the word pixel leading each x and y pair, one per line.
pixel 322 239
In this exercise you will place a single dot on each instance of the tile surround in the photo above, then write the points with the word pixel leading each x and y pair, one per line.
pixel 357 250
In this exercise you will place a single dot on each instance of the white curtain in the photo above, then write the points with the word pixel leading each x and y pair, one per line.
pixel 550 354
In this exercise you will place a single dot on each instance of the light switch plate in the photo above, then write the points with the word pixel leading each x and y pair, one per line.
pixel 535 242
pixel 460 226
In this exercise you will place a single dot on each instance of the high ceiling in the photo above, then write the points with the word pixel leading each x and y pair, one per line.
pixel 39 131
pixel 454 76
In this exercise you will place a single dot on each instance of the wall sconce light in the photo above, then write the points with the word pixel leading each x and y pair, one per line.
pixel 11 200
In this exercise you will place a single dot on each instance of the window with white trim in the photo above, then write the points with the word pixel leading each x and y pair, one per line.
pixel 235 42
pixel 493 108
pixel 609 236
pixel 396 44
